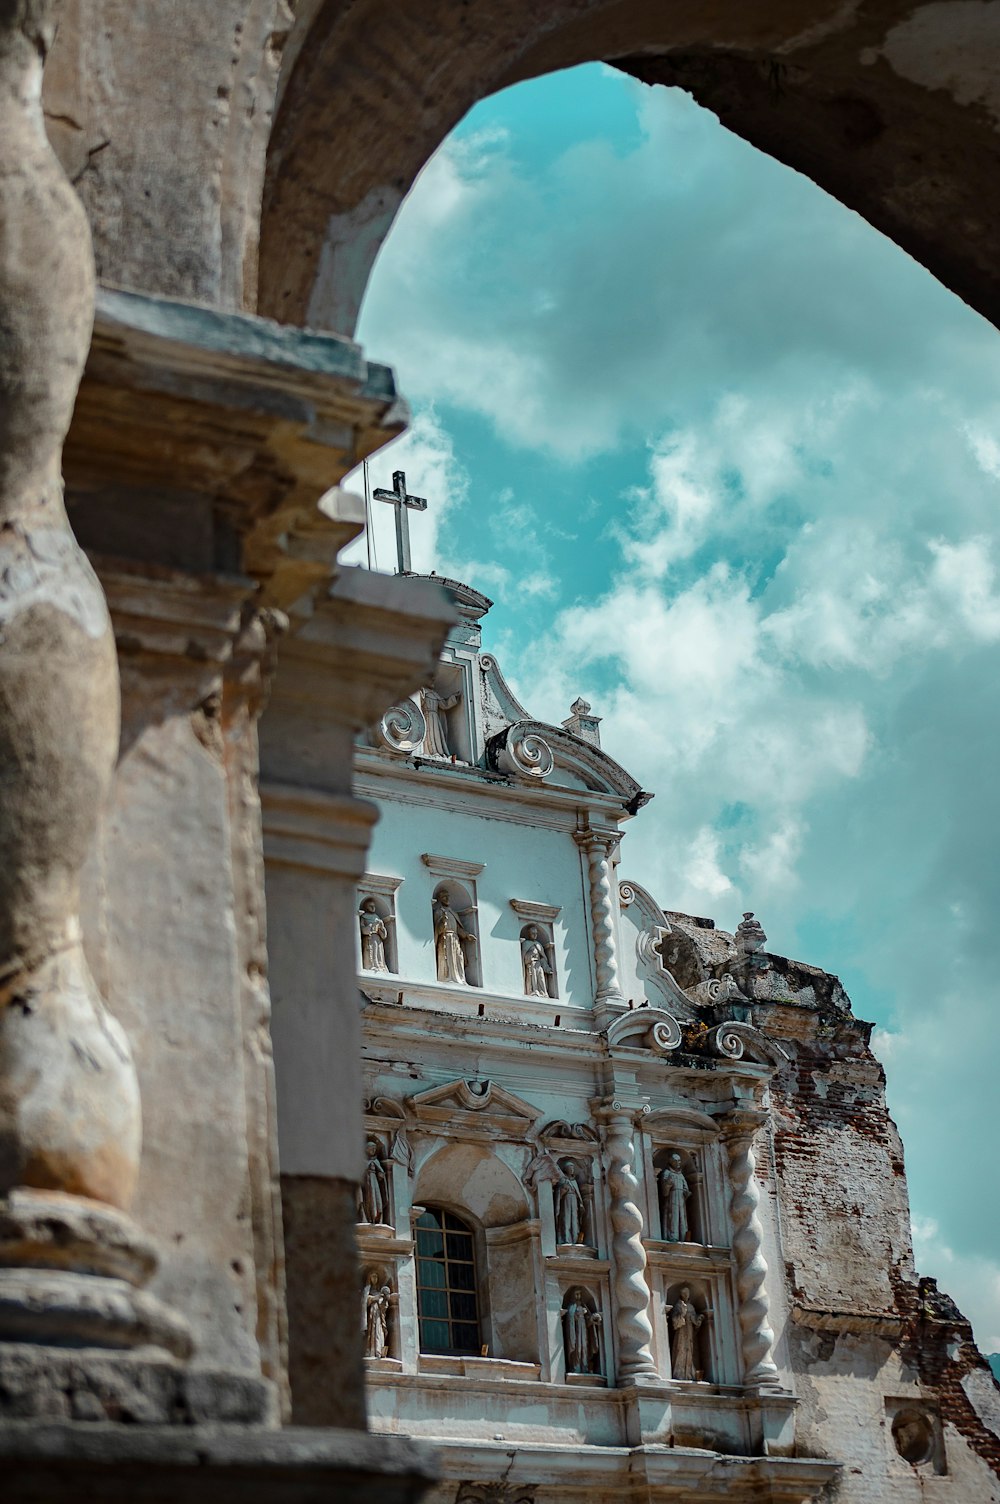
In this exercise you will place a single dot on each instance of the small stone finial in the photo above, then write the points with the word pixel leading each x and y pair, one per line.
pixel 750 936
pixel 582 723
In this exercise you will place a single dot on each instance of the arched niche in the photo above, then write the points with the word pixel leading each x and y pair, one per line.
pixel 668 1160
pixel 582 1331
pixel 536 933
pixel 702 1345
pixel 473 1181
pixel 378 904
pixel 462 901
pixel 475 1185
pixel 367 92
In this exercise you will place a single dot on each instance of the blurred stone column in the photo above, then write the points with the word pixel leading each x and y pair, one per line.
pixel 71 1262
pixel 371 640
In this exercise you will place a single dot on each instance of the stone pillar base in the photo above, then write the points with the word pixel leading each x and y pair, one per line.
pixel 81 1464
pixel 51 1384
pixel 71 1271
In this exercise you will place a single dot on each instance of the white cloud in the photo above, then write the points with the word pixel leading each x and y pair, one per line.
pixel 791 624
pixel 426 453
pixel 972 1282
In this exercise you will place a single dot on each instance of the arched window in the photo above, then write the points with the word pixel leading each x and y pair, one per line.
pixel 447 1301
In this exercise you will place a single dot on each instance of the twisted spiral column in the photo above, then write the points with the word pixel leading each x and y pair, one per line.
pixel 756 1336
pixel 602 899
pixel 628 1257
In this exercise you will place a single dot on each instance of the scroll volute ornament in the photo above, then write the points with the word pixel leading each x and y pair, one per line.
pixel 69 1100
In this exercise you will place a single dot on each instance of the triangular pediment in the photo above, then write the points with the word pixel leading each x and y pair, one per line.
pixel 481 1099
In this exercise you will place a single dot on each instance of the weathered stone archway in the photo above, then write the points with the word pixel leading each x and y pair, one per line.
pixel 886 105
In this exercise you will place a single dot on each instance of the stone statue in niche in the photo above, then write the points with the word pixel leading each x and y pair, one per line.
pixel 434 706
pixel 537 966
pixel 581 1331
pixel 684 1323
pixel 569 1204
pixel 449 935
pixel 674 1193
pixel 373 937
pixel 373 1192
pixel 376 1314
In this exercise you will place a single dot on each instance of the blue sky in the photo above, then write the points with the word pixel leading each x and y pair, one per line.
pixel 729 463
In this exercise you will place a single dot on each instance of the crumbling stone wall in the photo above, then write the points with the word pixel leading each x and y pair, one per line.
pixel 868 1339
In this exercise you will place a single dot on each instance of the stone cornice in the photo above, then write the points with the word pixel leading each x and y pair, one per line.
pixel 369 641
pixel 180 615
pixel 453 787
pixel 251 422
pixel 315 830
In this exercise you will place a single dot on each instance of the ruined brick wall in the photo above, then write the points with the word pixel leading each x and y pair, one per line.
pixel 881 1359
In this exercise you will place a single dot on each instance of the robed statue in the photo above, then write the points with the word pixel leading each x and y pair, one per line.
pixel 537 966
pixel 449 935
pixel 684 1323
pixel 373 937
pixel 434 706
pixel 373 1192
pixel 674 1193
pixel 376 1315
pixel 581 1334
pixel 569 1205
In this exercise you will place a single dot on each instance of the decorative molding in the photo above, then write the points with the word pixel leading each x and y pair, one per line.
pixel 662 1122
pixel 501 706
pixel 316 830
pixel 450 866
pixel 733 1040
pixel 595 769
pixel 545 912
pixel 402 728
pixel 473 1099
pixel 373 882
pixel 523 751
pixel 390 1114
pixel 495 1493
pixel 650 1028
pixel 580 1135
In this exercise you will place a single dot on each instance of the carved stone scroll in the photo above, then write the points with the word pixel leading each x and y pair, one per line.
pixel 635 1333
pixel 756 1335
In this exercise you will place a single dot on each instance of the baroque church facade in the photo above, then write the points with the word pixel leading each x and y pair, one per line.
pixel 632 1220
pixel 632 1213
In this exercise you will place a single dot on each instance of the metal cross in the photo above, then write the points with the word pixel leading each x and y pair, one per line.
pixel 401 502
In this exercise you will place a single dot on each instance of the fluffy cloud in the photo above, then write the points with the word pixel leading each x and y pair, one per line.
pixel 426 453
pixel 754 518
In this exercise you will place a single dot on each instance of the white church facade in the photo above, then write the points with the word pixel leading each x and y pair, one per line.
pixel 632 1222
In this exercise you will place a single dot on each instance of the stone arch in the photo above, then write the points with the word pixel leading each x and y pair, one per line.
pixel 473 1183
pixel 857 102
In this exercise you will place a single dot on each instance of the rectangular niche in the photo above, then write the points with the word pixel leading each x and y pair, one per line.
pixel 539 975
pixel 696 1330
pixel 454 920
pixel 377 924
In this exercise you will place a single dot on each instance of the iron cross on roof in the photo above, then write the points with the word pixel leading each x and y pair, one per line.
pixel 403 503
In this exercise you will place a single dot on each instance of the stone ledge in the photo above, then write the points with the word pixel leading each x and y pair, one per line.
pixel 823 1319
pixel 44 1386
pixel 75 1464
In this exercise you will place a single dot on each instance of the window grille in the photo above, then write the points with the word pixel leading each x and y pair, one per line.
pixel 447 1302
